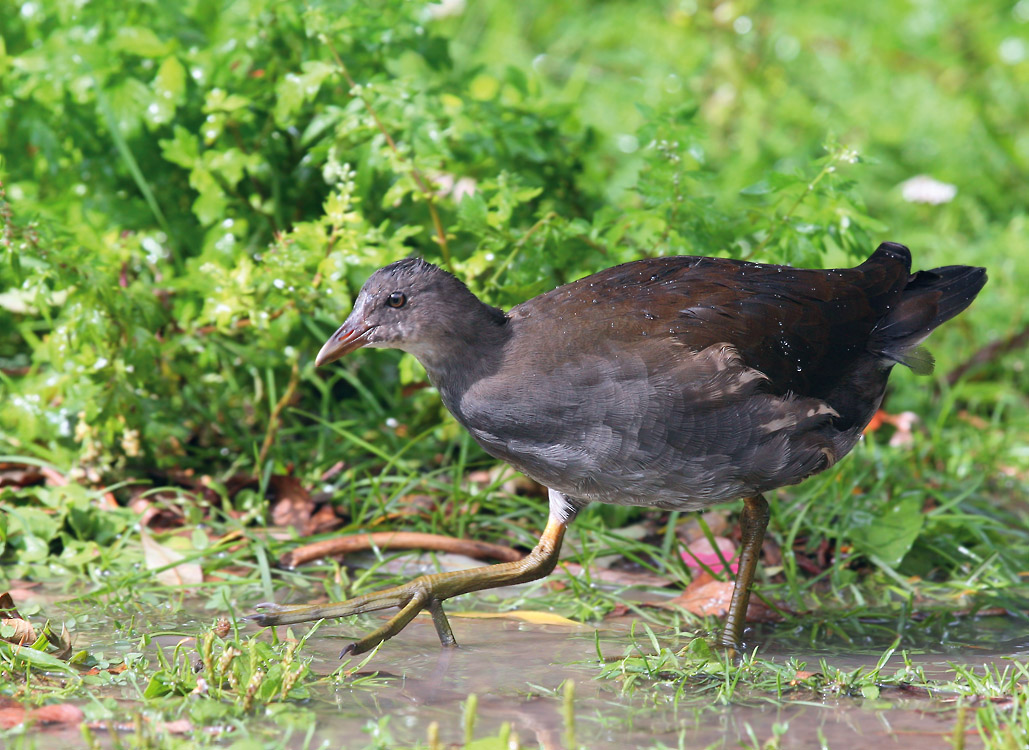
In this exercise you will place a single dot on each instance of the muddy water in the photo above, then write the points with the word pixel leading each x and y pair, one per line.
pixel 516 671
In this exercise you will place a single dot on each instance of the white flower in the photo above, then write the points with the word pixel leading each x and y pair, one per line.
pixel 445 8
pixel 456 187
pixel 925 189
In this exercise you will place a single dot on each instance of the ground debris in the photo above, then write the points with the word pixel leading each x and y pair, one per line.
pixel 13 714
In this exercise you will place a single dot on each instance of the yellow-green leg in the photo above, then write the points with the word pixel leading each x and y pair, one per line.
pixel 425 592
pixel 753 522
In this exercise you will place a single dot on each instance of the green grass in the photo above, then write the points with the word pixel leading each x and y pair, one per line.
pixel 190 200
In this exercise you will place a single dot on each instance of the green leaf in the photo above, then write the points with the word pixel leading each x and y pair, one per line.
pixel 210 205
pixel 129 101
pixel 139 40
pixel 220 101
pixel 20 655
pixel 160 684
pixel 296 88
pixel 182 148
pixel 169 90
pixel 229 164
pixel 888 531
pixel 473 213
pixel 758 188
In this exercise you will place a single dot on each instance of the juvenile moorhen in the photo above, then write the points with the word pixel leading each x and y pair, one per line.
pixel 669 382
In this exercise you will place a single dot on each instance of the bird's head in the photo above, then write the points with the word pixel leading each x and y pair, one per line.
pixel 414 306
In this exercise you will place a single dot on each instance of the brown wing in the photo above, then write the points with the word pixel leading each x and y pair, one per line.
pixel 804 329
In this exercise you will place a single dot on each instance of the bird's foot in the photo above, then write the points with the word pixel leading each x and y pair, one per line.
pixel 411 597
pixel 725 643
pixel 425 592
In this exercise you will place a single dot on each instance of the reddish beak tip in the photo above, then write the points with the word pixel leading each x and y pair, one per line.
pixel 340 343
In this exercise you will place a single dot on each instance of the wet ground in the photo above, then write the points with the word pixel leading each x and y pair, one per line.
pixel 517 671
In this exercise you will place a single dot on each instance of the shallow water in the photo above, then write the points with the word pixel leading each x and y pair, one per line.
pixel 517 671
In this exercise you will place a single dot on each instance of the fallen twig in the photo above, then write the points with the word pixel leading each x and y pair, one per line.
pixel 988 353
pixel 399 540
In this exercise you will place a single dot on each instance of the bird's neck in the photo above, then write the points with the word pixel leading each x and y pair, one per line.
pixel 472 348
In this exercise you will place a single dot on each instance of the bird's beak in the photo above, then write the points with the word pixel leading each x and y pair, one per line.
pixel 349 337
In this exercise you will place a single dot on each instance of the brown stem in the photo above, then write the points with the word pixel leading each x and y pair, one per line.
pixel 273 419
pixel 244 322
pixel 329 247
pixel 399 540
pixel 518 245
pixel 829 166
pixel 988 353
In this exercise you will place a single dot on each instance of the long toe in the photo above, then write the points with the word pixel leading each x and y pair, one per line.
pixel 412 598
pixel 270 613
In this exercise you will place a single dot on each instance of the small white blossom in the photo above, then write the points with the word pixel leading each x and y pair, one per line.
pixel 925 189
pixel 445 8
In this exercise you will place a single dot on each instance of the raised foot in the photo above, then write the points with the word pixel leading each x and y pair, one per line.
pixel 411 597
pixel 425 592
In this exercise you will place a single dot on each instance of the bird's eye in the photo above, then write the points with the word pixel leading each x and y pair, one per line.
pixel 396 299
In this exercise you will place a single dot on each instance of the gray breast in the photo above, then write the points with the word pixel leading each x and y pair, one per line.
pixel 681 433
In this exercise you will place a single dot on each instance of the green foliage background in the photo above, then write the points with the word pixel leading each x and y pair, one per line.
pixel 192 193
pixel 195 192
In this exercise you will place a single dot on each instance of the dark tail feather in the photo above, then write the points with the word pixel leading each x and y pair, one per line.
pixel 930 299
pixel 889 252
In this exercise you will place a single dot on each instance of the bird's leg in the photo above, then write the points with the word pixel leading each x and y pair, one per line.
pixel 753 522
pixel 426 592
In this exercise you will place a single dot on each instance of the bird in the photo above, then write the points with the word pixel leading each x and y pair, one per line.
pixel 667 382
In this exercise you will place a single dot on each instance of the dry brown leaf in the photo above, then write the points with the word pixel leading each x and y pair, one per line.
pixel 414 504
pixel 619 610
pixel 691 530
pixel 11 716
pixel 61 642
pixel 58 713
pixel 324 520
pixel 10 617
pixel 618 577
pixel 511 482
pixel 116 669
pixel 23 631
pixel 19 475
pixel 525 615
pixel 712 599
pixel 7 608
pixel 158 510
pixel 179 726
pixel 903 423
pixel 293 505
pixel 700 554
pixel 158 556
